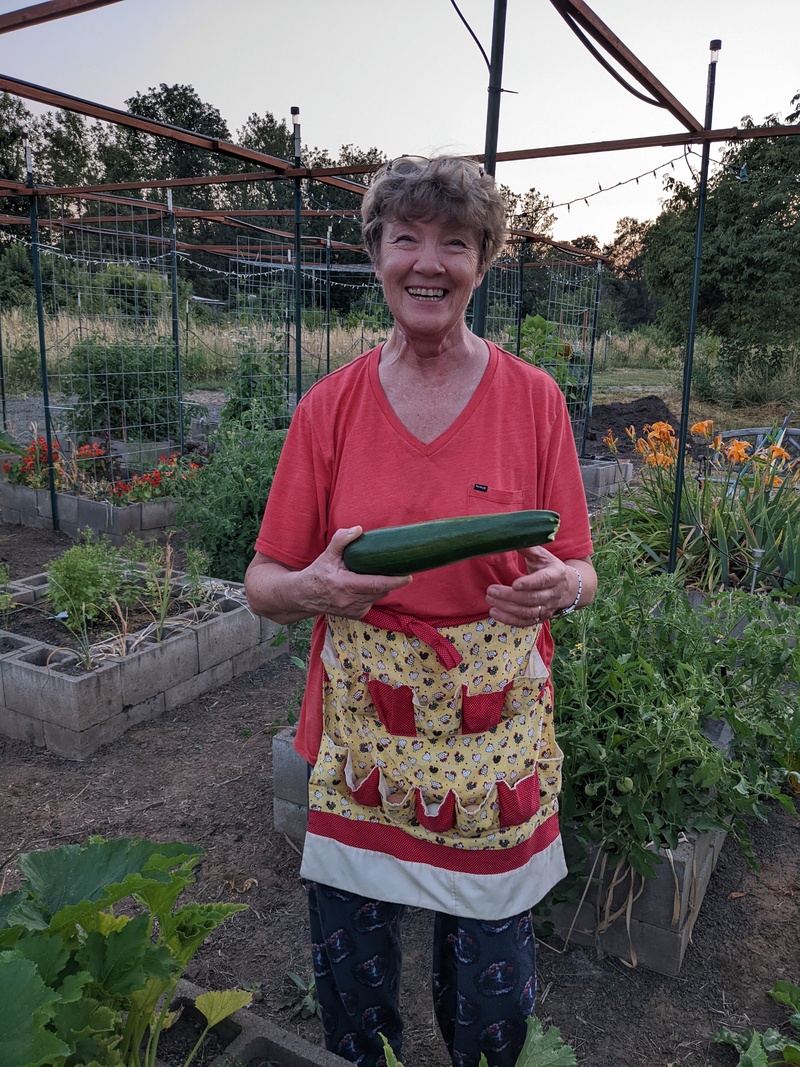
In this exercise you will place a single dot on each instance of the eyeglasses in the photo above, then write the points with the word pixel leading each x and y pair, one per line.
pixel 413 164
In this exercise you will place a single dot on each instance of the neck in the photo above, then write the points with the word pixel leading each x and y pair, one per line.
pixel 437 355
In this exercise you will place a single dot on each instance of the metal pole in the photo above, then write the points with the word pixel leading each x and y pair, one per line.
pixel 592 340
pixel 328 302
pixel 37 282
pixel 3 374
pixel 702 194
pixel 298 273
pixel 481 298
pixel 176 323
pixel 521 271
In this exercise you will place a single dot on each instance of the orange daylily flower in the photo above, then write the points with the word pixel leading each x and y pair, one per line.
pixel 737 451
pixel 610 440
pixel 661 431
pixel 631 432
pixel 705 428
pixel 777 452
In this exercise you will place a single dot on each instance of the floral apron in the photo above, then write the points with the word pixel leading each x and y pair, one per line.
pixel 437 779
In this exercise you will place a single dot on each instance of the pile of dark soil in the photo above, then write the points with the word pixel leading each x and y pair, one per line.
pixel 618 417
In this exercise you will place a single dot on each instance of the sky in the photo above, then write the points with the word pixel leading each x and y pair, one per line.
pixel 405 76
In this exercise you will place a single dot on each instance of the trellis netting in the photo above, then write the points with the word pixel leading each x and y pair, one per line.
pixel 135 361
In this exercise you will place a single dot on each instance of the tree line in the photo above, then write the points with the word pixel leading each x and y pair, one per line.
pixel 751 256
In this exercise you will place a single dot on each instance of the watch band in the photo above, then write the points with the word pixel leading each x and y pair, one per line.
pixel 571 607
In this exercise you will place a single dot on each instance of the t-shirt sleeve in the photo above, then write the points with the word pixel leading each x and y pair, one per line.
pixel 294 526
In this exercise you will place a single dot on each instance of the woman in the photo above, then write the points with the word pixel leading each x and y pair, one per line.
pixel 427 718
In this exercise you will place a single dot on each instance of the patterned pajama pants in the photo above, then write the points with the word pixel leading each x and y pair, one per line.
pixel 484 979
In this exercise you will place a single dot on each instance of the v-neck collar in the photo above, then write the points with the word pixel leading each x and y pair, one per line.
pixel 455 426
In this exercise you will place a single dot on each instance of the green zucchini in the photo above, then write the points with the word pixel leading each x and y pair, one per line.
pixel 422 546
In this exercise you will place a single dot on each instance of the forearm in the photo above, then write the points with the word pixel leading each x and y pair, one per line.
pixel 583 582
pixel 276 592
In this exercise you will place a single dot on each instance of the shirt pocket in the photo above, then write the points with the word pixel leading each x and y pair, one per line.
pixel 489 499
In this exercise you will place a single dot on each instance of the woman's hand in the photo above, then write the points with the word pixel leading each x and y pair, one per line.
pixel 326 586
pixel 550 585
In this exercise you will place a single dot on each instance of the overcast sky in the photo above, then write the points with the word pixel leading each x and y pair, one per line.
pixel 405 76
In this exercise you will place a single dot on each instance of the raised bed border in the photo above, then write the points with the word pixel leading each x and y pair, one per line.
pixel 23 506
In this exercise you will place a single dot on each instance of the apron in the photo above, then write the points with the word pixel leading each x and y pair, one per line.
pixel 437 779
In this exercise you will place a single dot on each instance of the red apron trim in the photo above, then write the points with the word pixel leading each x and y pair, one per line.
pixel 394 841
pixel 395 707
pixel 445 817
pixel 446 653
pixel 368 791
pixel 519 803
pixel 482 711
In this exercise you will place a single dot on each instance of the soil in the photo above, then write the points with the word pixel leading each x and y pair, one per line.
pixel 618 417
pixel 203 774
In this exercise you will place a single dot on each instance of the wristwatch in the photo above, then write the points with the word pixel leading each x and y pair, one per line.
pixel 571 607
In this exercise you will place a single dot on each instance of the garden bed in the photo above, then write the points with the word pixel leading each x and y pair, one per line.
pixel 24 506
pixel 48 697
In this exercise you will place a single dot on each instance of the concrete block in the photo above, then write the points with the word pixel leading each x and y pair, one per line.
pixel 71 744
pixel 250 660
pixel 21 727
pixel 661 919
pixel 172 661
pixel 261 1039
pixel 35 683
pixel 242 630
pixel 290 819
pixel 601 477
pixel 194 687
pixel 289 770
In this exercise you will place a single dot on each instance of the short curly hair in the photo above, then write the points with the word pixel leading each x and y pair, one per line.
pixel 449 188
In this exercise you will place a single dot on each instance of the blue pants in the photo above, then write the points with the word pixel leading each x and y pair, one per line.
pixel 484 979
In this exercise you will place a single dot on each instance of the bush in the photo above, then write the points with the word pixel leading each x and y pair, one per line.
pixel 737 375
pixel 222 511
pixel 82 581
pixel 259 393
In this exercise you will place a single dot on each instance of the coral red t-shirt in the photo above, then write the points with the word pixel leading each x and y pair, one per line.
pixel 349 461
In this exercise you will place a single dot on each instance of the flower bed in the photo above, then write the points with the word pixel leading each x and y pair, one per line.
pixel 92 491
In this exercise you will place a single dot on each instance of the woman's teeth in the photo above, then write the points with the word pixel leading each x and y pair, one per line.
pixel 427 294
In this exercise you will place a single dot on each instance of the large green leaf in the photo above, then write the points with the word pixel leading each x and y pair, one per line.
pixel 544 1048
pixel 27 1006
pixel 48 953
pixel 188 928
pixel 220 1003
pixel 100 872
pixel 122 961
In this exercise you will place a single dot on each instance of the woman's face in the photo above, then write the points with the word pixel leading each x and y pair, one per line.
pixel 428 271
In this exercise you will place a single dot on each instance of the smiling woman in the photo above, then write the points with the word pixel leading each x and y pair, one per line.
pixel 427 720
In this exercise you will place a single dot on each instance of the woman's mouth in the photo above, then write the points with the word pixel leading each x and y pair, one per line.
pixel 426 294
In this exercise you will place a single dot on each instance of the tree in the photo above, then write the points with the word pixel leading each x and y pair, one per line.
pixel 66 149
pixel 627 295
pixel 751 245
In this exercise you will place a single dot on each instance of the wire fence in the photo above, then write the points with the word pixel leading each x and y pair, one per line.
pixel 118 351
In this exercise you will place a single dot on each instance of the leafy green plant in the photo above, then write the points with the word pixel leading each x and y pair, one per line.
pixel 126 390
pixel 638 675
pixel 259 392
pixel 6 596
pixel 542 345
pixel 770 1047
pixel 300 997
pixel 92 947
pixel 542 1048
pixel 82 581
pixel 739 522
pixel 223 515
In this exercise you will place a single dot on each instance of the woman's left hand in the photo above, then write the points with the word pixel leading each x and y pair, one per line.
pixel 549 586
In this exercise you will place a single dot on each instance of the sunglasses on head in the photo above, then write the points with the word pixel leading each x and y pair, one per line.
pixel 414 164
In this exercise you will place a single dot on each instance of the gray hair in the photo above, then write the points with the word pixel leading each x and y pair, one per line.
pixel 447 188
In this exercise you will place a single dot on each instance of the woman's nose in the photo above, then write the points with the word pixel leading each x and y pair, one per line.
pixel 429 258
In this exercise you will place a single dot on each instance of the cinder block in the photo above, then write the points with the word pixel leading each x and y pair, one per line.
pixel 661 918
pixel 241 632
pixel 260 1039
pixel 145 672
pixel 34 684
pixel 21 727
pixel 289 770
pixel 290 819
pixel 194 687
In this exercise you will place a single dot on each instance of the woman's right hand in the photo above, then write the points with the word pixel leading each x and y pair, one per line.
pixel 326 586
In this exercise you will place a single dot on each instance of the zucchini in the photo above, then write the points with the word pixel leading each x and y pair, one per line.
pixel 421 546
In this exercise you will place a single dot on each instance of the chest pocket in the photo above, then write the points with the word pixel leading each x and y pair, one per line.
pixel 487 500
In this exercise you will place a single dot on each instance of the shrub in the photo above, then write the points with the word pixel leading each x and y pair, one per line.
pixel 222 510
pixel 82 582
